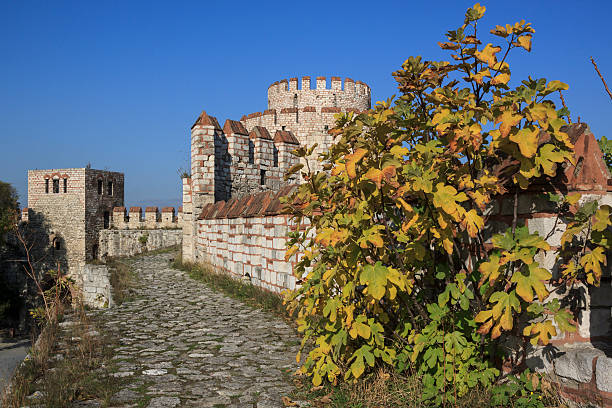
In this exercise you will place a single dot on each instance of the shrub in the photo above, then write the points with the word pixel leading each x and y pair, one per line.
pixel 396 269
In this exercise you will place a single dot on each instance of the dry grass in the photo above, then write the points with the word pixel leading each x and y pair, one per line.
pixel 380 389
pixel 241 290
pixel 74 376
pixel 122 280
pixel 64 366
pixel 386 389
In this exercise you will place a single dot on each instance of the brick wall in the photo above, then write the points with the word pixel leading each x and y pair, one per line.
pixel 247 237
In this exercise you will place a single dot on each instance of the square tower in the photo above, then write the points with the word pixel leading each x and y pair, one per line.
pixel 71 206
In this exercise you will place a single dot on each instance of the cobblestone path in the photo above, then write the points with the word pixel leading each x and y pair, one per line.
pixel 184 345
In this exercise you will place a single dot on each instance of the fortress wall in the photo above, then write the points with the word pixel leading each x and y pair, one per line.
pixel 103 192
pixel 285 94
pixel 59 215
pixel 246 238
pixel 123 242
pixel 150 219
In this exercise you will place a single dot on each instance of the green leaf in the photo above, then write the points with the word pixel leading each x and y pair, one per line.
pixel 375 278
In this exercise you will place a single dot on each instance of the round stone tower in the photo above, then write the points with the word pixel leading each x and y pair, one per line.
pixel 309 112
pixel 286 94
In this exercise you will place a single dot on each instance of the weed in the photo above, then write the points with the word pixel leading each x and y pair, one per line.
pixel 244 291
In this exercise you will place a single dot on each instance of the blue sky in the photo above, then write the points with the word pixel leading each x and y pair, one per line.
pixel 118 83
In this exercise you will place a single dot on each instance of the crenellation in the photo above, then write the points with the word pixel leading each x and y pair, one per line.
pixel 293 84
pixel 321 82
pixel 242 158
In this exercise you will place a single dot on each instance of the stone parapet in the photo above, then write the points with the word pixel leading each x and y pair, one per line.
pixel 124 242
pixel 153 219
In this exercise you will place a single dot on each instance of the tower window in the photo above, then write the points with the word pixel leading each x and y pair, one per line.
pixel 282 127
pixel 47 186
pixel 99 186
pixel 275 156
pixel 326 128
pixel 295 100
pixel 251 152
pixel 109 190
pixel 55 186
pixel 335 100
pixel 65 185
pixel 262 177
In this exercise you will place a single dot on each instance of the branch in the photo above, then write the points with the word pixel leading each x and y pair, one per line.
pixel 565 106
pixel 602 78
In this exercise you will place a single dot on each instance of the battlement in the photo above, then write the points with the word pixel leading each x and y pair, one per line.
pixel 121 218
pixel 344 94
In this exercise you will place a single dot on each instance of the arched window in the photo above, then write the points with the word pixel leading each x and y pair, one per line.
pixel 109 189
pixel 100 186
pixel 65 185
pixel 47 186
pixel 56 187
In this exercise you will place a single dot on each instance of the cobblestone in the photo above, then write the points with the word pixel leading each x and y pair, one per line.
pixel 182 344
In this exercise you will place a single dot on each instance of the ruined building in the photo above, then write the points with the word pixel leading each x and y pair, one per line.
pixel 74 205
pixel 75 216
pixel 252 155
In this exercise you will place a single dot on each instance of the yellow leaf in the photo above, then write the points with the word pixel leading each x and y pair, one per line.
pixel 527 140
pixel 489 270
pixel 540 332
pixel 448 245
pixel 529 279
pixel 488 54
pixel 524 41
pixel 499 31
pixel 480 10
pixel 479 77
pixel 592 264
pixel 446 198
pixel 508 119
pixel 549 155
pixel 573 198
pixel 472 222
pixel 290 252
pixel 352 159
pixel 500 79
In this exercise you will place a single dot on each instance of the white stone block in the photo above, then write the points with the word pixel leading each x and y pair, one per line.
pixel 576 364
pixel 603 373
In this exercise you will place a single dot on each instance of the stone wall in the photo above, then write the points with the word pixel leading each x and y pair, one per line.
pixel 288 94
pixel 103 192
pixel 124 242
pixel 152 218
pixel 94 281
pixel 246 238
pixel 71 206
